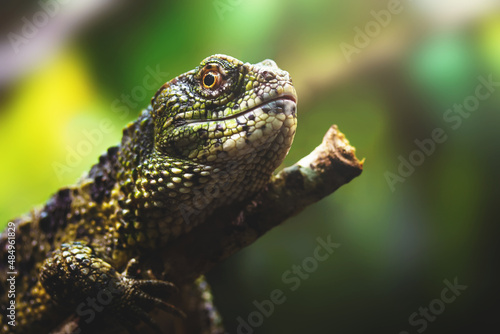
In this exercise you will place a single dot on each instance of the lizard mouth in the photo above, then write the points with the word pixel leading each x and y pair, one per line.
pixel 266 106
pixel 277 104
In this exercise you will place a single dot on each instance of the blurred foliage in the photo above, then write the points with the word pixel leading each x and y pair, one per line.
pixel 396 247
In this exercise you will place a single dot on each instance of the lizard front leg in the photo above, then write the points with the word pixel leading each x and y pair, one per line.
pixel 74 276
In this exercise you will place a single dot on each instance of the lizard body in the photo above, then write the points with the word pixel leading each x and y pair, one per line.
pixel 211 137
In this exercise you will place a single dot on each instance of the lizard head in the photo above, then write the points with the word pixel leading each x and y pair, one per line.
pixel 226 110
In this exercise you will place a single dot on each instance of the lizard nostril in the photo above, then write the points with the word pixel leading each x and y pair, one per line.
pixel 267 75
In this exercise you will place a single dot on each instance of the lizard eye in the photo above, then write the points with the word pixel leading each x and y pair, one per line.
pixel 211 80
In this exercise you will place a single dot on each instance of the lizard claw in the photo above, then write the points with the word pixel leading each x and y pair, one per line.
pixel 75 276
pixel 141 294
pixel 137 300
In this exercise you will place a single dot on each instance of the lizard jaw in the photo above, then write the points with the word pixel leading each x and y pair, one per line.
pixel 284 96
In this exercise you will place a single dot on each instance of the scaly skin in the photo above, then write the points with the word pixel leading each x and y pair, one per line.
pixel 211 137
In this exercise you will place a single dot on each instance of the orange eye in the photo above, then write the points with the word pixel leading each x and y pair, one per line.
pixel 211 80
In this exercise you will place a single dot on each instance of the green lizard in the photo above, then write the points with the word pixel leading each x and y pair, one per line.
pixel 211 137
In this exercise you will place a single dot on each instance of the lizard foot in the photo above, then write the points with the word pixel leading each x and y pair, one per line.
pixel 74 276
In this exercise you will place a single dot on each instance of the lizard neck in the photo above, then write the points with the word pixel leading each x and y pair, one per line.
pixel 161 197
pixel 158 197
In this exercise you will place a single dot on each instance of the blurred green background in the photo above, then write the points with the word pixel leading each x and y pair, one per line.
pixel 87 63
